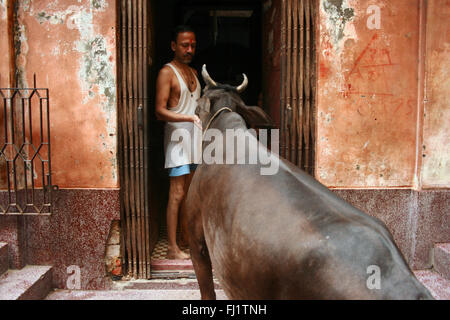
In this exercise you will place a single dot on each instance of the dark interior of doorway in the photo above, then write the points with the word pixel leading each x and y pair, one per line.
pixel 228 42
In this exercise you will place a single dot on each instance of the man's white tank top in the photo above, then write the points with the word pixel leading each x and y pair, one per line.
pixel 183 140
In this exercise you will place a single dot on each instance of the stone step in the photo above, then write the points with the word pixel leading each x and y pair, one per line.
pixel 174 289
pixel 187 289
pixel 28 283
pixel 438 286
pixel 441 262
pixel 4 258
pixel 161 284
pixel 157 294
pixel 165 265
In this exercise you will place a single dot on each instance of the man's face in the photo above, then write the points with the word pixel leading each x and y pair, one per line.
pixel 184 47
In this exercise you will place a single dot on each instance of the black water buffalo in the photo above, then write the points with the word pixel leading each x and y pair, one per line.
pixel 283 236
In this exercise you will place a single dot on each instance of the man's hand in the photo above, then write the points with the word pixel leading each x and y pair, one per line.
pixel 196 120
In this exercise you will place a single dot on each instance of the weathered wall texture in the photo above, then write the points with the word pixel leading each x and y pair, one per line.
pixel 367 93
pixel 4 70
pixel 71 47
pixel 382 100
pixel 75 235
pixel 383 111
pixel 436 133
pixel 4 47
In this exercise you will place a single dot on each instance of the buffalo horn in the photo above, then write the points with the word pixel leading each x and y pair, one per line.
pixel 209 82
pixel 243 85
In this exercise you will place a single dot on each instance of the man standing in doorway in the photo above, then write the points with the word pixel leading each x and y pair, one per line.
pixel 177 92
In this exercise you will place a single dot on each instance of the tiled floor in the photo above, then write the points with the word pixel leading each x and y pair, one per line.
pixel 159 261
pixel 160 250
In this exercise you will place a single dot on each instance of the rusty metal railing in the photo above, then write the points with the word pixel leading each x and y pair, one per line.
pixel 25 166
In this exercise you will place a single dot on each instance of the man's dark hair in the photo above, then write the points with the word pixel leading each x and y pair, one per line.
pixel 180 29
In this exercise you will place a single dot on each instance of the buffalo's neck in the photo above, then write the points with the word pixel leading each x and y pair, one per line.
pixel 228 125
pixel 228 120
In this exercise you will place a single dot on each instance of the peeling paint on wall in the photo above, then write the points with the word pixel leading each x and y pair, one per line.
pixel 99 5
pixel 3 10
pixel 72 47
pixel 96 71
pixel 21 51
pixel 338 14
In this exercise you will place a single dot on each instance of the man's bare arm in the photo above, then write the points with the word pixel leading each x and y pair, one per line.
pixel 162 97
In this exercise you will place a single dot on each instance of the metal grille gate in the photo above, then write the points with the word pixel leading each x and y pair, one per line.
pixel 298 88
pixel 25 166
pixel 133 40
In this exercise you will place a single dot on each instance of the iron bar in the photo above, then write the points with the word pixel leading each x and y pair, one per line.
pixel 139 123
pixel 283 79
pixel 145 66
pixel 123 154
pixel 313 86
pixel 300 83
pixel 294 83
pixel 133 108
pixel 129 104
pixel 124 170
pixel 288 77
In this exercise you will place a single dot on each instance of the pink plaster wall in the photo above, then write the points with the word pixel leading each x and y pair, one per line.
pixel 71 46
pixel 368 89
pixel 4 73
pixel 367 93
pixel 4 47
pixel 436 134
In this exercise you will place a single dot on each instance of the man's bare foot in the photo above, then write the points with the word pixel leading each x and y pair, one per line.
pixel 176 254
pixel 183 245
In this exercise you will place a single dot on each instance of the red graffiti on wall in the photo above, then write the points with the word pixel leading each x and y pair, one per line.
pixel 368 73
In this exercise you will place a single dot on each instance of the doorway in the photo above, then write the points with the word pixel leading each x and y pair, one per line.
pixel 230 42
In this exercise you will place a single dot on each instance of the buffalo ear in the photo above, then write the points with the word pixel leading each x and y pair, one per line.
pixel 255 116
